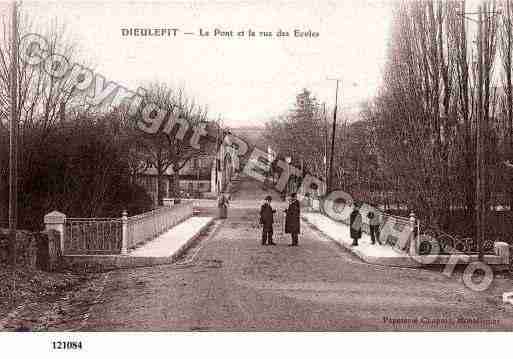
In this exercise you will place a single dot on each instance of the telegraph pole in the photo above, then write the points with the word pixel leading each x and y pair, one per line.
pixel 479 135
pixel 325 145
pixel 13 139
pixel 216 159
pixel 334 128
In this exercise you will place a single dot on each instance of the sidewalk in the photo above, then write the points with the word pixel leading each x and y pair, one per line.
pixel 164 249
pixel 375 254
pixel 389 256
pixel 173 241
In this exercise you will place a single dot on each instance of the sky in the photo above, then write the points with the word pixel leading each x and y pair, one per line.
pixel 244 80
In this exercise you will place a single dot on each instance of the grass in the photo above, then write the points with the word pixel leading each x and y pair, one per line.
pixel 19 286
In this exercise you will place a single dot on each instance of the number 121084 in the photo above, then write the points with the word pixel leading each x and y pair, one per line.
pixel 67 345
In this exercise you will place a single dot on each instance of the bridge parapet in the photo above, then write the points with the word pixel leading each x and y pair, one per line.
pixel 114 235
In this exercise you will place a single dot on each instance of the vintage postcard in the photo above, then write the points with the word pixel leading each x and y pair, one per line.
pixel 255 166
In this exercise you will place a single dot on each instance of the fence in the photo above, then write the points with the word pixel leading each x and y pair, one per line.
pixel 114 235
pixel 92 235
pixel 424 237
pixel 151 224
pixel 390 225
pixel 449 244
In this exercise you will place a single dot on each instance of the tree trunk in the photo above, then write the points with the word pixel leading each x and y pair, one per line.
pixel 160 202
pixel 175 185
pixel 509 94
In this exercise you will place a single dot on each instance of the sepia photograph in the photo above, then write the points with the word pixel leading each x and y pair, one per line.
pixel 255 167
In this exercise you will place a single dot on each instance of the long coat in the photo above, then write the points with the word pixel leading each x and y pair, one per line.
pixel 355 224
pixel 222 201
pixel 374 218
pixel 292 217
pixel 266 216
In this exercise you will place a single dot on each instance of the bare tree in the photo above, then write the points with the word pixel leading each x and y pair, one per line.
pixel 506 43
pixel 169 148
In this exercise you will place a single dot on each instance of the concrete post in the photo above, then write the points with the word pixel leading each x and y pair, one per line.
pixel 316 205
pixel 124 231
pixel 413 241
pixel 501 249
pixel 55 220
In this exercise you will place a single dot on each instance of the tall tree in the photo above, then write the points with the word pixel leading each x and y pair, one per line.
pixel 169 148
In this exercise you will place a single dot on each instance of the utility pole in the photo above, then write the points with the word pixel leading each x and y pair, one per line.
pixel 324 115
pixel 509 85
pixel 334 128
pixel 13 139
pixel 479 135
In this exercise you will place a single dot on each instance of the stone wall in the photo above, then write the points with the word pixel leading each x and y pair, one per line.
pixel 34 250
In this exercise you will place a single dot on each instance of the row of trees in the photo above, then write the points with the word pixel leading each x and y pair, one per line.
pixel 74 156
pixel 304 134
pixel 439 91
pixel 169 149
pixel 447 83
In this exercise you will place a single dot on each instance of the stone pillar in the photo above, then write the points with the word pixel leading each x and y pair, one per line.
pixel 413 241
pixel 55 221
pixel 501 249
pixel 316 206
pixel 49 254
pixel 124 232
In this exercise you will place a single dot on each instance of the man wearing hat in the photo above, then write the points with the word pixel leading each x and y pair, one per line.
pixel 267 220
pixel 374 223
pixel 355 224
pixel 292 221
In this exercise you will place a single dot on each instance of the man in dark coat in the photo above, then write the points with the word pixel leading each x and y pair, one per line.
pixel 374 223
pixel 355 224
pixel 267 220
pixel 292 222
pixel 222 203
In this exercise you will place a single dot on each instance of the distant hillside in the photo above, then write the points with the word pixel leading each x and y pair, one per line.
pixel 253 135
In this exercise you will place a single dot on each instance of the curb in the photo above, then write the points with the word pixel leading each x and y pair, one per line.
pixel 105 263
pixel 191 240
pixel 384 261
pixel 407 261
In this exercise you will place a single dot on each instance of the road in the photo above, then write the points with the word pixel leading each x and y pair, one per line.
pixel 232 283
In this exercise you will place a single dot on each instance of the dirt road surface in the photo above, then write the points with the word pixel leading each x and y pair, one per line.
pixel 230 282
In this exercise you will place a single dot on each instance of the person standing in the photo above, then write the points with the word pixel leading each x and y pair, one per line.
pixel 267 221
pixel 355 224
pixel 292 221
pixel 223 206
pixel 374 223
pixel 283 195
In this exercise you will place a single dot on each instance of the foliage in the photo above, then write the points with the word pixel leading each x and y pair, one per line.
pixel 80 170
pixel 166 150
pixel 305 135
pixel 426 115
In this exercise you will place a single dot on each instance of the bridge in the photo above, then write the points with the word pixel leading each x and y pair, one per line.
pixel 226 280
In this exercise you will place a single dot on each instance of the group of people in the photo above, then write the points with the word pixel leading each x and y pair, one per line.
pixel 356 221
pixel 292 221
